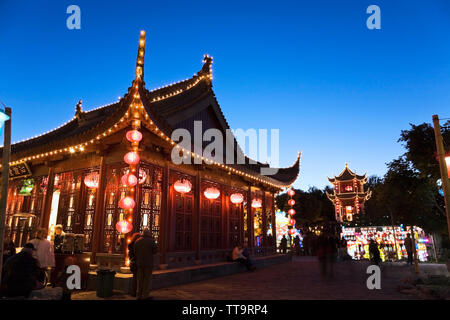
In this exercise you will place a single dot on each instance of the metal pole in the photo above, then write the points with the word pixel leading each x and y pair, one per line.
pixel 5 178
pixel 443 167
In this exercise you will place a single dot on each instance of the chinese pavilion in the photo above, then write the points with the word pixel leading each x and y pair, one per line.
pixel 348 195
pixel 76 175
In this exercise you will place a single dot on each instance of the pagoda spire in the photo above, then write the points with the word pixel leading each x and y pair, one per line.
pixel 140 57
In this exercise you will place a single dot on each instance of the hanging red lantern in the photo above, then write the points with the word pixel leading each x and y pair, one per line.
pixel 182 186
pixel 131 158
pixel 292 222
pixel 129 179
pixel 134 136
pixel 291 212
pixel 124 226
pixel 291 202
pixel 256 203
pixel 211 193
pixel 291 231
pixel 236 198
pixel 127 203
pixel 91 180
pixel 291 192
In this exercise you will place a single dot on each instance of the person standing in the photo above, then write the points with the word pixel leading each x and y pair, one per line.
pixel 409 248
pixel 132 257
pixel 374 252
pixel 44 253
pixel 144 249
pixel 297 245
pixel 283 244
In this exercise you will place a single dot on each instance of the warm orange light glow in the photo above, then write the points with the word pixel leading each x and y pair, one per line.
pixel 291 192
pixel 291 212
pixel 291 202
pixel 256 203
pixel 447 161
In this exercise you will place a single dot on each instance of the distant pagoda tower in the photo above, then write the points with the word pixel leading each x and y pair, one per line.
pixel 348 195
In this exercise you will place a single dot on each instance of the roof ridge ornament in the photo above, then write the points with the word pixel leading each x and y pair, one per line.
pixel 140 57
pixel 207 62
pixel 79 109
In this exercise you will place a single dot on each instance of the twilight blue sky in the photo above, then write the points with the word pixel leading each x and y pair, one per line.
pixel 336 90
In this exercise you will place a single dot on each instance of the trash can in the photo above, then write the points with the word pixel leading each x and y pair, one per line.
pixel 105 282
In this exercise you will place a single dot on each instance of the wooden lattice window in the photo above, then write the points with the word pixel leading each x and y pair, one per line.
pixel 113 241
pixel 257 221
pixel 69 184
pixel 150 180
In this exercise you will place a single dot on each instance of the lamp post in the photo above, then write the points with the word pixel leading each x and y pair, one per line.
pixel 444 165
pixel 5 118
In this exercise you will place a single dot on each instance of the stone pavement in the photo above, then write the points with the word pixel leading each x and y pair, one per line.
pixel 299 279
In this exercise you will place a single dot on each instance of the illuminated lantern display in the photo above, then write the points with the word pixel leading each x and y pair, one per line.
pixel 129 179
pixel 124 226
pixel 127 203
pixel 291 192
pixel 236 198
pixel 134 136
pixel 131 158
pixel 182 186
pixel 291 231
pixel 91 180
pixel 291 212
pixel 256 203
pixel 292 222
pixel 211 193
pixel 291 202
pixel 348 188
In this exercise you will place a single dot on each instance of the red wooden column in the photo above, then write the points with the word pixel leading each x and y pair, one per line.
pixel 99 210
pixel 165 212
pixel 249 218
pixel 196 219
pixel 264 220
pixel 47 205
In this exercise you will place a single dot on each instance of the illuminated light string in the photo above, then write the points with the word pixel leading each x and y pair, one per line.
pixel 81 147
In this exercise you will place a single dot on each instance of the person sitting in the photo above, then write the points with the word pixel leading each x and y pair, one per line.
pixel 20 274
pixel 237 256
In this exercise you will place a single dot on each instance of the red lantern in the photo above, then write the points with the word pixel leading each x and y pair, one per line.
pixel 256 203
pixel 291 192
pixel 292 222
pixel 129 179
pixel 91 180
pixel 131 158
pixel 211 193
pixel 291 212
pixel 127 203
pixel 134 136
pixel 124 226
pixel 291 231
pixel 291 202
pixel 236 198
pixel 182 186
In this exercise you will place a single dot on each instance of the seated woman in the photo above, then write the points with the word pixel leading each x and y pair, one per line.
pixel 237 256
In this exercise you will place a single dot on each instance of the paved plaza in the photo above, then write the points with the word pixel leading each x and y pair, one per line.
pixel 299 279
